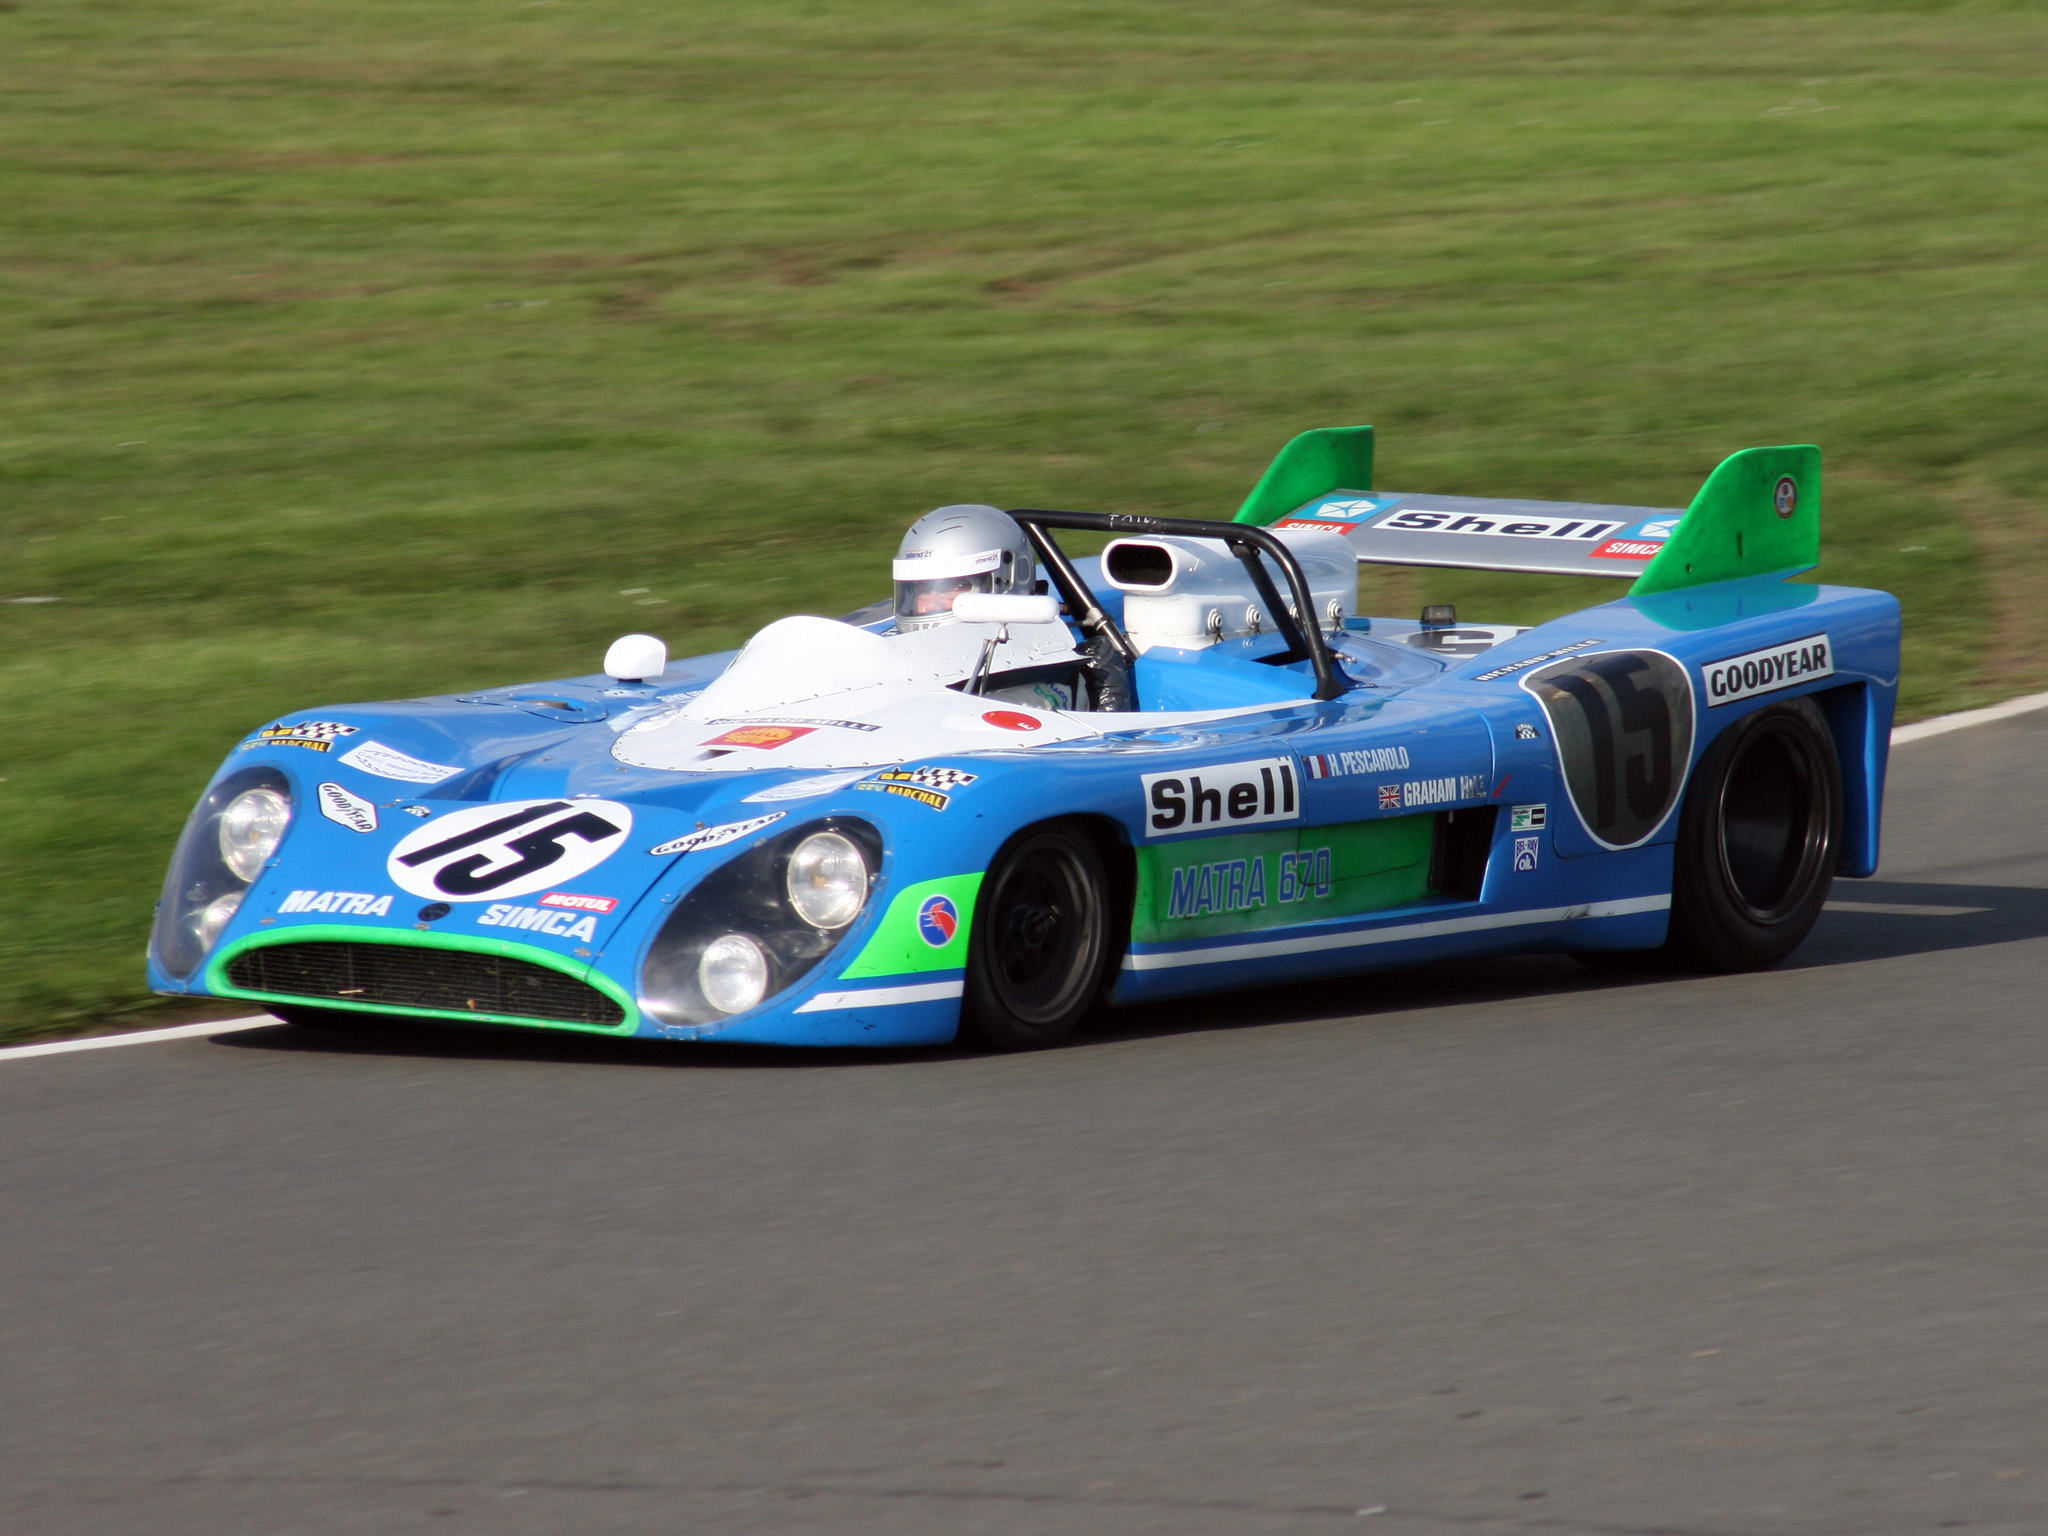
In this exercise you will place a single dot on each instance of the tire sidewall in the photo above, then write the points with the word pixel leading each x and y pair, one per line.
pixel 1712 925
pixel 987 1017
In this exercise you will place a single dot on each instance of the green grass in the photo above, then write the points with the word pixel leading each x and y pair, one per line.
pixel 365 350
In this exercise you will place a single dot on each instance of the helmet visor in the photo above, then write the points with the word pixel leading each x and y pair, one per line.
pixel 935 594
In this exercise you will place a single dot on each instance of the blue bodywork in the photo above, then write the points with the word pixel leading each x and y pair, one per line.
pixel 1420 734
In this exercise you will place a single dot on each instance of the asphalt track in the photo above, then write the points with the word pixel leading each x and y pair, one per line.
pixel 1494 1247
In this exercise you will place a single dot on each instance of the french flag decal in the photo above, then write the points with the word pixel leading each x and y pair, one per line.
pixel 1318 765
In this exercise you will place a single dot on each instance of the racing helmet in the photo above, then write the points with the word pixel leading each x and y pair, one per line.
pixel 965 548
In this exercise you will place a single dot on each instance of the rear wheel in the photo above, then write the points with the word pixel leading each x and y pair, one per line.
pixel 1041 937
pixel 1757 841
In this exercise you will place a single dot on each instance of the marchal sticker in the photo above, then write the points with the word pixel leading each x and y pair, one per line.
pixel 509 849
pixel 389 763
pixel 1766 671
pixel 314 735
pixel 1227 795
pixel 715 837
pixel 350 810
pixel 1623 723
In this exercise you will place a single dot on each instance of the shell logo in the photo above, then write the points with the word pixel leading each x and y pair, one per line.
pixel 763 736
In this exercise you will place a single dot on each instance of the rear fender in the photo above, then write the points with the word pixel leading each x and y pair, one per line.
pixel 1860 718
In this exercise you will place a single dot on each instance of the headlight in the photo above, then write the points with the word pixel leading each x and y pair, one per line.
pixel 208 921
pixel 827 880
pixel 250 829
pixel 733 973
pixel 757 923
pixel 232 833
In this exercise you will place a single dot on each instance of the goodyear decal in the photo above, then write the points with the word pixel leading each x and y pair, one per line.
pixel 1766 671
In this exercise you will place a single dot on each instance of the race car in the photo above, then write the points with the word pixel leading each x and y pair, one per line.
pixel 1032 786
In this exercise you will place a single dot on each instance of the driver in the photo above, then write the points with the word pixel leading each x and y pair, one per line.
pixel 976 548
pixel 965 548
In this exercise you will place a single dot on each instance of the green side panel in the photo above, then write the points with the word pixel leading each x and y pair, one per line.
pixel 1319 461
pixel 1255 880
pixel 217 974
pixel 899 947
pixel 1733 527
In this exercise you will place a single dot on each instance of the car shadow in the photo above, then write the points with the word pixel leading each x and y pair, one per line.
pixel 1866 920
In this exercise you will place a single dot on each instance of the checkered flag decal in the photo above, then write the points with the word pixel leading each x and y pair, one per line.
pixel 931 778
pixel 312 730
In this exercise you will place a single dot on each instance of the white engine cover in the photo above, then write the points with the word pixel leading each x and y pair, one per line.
pixel 1191 593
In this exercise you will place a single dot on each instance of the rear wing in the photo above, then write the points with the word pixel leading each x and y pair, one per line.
pixel 1758 514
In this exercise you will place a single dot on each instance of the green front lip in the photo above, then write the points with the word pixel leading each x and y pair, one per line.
pixel 218 984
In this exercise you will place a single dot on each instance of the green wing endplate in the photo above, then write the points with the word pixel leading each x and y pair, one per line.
pixel 1757 515
pixel 1319 461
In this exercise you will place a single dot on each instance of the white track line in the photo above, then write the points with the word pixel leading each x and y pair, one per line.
pixel 1939 725
pixel 140 1037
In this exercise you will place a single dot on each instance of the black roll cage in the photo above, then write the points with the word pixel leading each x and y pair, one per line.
pixel 1296 621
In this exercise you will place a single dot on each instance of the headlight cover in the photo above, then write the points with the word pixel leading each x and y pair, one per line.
pixel 733 975
pixel 251 828
pixel 827 880
pixel 744 934
pixel 231 835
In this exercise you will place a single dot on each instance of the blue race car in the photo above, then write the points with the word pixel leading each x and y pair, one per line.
pixel 1033 785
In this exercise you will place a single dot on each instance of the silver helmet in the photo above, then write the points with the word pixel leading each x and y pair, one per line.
pixel 967 548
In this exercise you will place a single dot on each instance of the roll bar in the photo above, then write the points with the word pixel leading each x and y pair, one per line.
pixel 1297 626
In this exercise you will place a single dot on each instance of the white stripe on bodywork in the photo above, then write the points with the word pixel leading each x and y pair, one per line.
pixel 884 997
pixel 1311 944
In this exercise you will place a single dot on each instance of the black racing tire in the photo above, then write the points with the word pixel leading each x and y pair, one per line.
pixel 1040 941
pixel 1758 838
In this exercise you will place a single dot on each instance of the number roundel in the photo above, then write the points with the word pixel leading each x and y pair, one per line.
pixel 508 848
pixel 1623 724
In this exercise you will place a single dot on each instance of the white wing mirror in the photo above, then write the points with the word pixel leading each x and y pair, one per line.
pixel 1006 608
pixel 636 659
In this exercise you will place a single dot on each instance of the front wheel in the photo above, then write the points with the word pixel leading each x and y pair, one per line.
pixel 1041 937
pixel 1757 841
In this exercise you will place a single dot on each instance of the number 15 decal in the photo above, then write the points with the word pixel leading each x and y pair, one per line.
pixel 1623 724
pixel 511 848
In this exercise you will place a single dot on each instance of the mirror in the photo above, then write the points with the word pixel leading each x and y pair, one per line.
pixel 1006 608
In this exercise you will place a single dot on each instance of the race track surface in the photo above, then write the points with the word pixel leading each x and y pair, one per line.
pixel 1496 1247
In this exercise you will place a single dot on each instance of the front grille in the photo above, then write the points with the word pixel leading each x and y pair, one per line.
pixel 413 976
